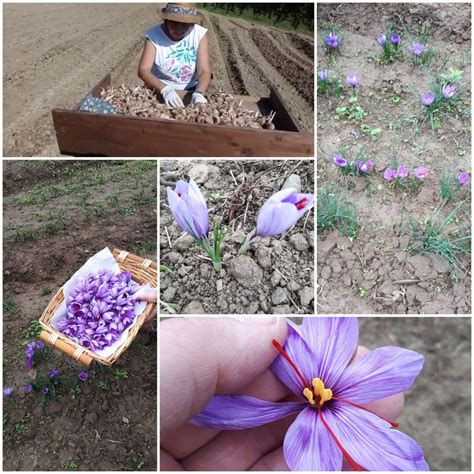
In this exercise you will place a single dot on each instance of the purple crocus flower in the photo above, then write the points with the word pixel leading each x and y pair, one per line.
pixel 352 80
pixel 448 91
pixel 8 391
pixel 402 172
pixel 332 40
pixel 28 388
pixel 189 209
pixel 395 39
pixel 339 160
pixel 390 175
pixel 421 172
pixel 84 376
pixel 332 422
pixel 417 49
pixel 281 211
pixel 381 39
pixel 463 178
pixel 364 167
pixel 53 372
pixel 29 363
pixel 45 390
pixel 427 98
pixel 323 75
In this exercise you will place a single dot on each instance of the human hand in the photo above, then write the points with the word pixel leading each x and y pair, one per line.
pixel 150 295
pixel 201 358
pixel 171 97
pixel 198 98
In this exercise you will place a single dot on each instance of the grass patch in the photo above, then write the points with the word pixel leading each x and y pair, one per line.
pixel 336 211
pixel 146 249
pixel 10 306
pixel 33 330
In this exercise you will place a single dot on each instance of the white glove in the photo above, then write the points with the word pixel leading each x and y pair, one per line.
pixel 171 98
pixel 198 98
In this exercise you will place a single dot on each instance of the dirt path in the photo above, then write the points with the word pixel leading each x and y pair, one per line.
pixel 53 54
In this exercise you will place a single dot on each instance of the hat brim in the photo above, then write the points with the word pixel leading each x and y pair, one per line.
pixel 181 18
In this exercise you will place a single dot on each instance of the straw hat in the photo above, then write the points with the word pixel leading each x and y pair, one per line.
pixel 181 12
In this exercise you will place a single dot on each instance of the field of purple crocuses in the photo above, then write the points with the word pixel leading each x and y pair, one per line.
pixel 393 174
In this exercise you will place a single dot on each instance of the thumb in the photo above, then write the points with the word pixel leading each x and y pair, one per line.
pixel 202 357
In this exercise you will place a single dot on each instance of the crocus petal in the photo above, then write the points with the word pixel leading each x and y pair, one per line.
pixel 240 412
pixel 371 442
pixel 308 445
pixel 182 215
pixel 333 342
pixel 378 374
pixel 276 219
pixel 302 356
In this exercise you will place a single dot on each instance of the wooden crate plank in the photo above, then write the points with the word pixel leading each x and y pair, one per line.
pixel 81 133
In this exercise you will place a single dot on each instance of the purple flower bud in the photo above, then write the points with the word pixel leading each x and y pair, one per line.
pixel 463 178
pixel 323 75
pixel 448 91
pixel 364 167
pixel 28 388
pixel 53 372
pixel 428 98
pixel 29 363
pixel 339 160
pixel 188 206
pixel 421 172
pixel 281 211
pixel 40 345
pixel 381 39
pixel 402 172
pixel 8 391
pixel 390 175
pixel 45 390
pixel 332 40
pixel 30 352
pixel 417 49
pixel 84 376
pixel 395 39
pixel 352 80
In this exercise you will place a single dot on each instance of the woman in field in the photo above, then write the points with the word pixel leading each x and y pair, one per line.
pixel 176 55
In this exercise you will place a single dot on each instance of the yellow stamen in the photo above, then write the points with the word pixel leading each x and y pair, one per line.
pixel 319 392
pixel 309 395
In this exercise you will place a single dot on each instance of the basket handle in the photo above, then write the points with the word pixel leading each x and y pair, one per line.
pixel 78 353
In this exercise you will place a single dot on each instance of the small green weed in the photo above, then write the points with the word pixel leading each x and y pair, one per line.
pixel 10 306
pixel 33 330
pixel 121 374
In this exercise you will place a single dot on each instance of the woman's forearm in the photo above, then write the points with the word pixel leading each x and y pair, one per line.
pixel 204 79
pixel 151 81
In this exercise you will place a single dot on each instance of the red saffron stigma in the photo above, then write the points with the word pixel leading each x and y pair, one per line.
pixel 394 425
pixel 301 204
pixel 287 357
pixel 353 464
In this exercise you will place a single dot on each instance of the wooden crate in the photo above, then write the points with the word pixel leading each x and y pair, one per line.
pixel 88 134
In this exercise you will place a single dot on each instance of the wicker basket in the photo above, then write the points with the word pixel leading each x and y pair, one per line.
pixel 143 271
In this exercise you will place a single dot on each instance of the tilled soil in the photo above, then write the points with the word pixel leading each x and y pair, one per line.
pixel 54 54
pixel 274 276
pixel 376 272
pixel 56 216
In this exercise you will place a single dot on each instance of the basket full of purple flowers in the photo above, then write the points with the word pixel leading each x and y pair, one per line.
pixel 97 316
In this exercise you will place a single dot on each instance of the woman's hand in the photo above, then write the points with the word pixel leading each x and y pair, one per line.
pixel 198 98
pixel 171 97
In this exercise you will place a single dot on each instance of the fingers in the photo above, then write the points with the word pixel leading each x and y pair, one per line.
pixel 188 438
pixel 274 461
pixel 168 463
pixel 201 357
pixel 238 450
pixel 148 294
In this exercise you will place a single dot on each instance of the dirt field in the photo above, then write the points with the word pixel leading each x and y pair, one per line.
pixel 377 272
pixel 276 275
pixel 56 215
pixel 55 53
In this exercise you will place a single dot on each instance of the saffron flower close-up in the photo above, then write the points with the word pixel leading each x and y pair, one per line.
pixel 84 376
pixel 421 172
pixel 282 211
pixel 352 80
pixel 339 160
pixel 332 423
pixel 395 39
pixel 8 391
pixel 463 178
pixel 381 39
pixel 332 40
pixel 427 98
pixel 448 91
pixel 323 75
pixel 364 167
pixel 417 49
pixel 390 175
pixel 402 172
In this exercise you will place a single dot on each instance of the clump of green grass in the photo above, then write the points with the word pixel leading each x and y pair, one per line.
pixel 10 306
pixel 449 186
pixel 33 330
pixel 446 237
pixel 337 211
